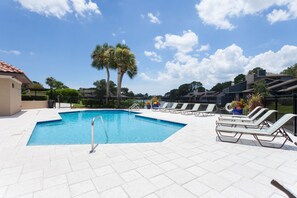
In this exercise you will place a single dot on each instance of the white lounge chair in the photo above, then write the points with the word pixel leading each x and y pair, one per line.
pixel 191 111
pixel 209 110
pixel 274 131
pixel 260 123
pixel 243 116
pixel 171 108
pixel 252 119
pixel 159 108
pixel 183 107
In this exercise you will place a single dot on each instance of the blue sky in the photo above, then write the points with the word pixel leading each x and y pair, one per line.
pixel 175 41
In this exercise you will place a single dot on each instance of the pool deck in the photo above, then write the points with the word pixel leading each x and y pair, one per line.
pixel 190 163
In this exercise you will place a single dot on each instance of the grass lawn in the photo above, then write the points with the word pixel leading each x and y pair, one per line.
pixel 78 105
pixel 282 108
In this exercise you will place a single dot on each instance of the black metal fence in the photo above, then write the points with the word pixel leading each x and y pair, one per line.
pixel 283 104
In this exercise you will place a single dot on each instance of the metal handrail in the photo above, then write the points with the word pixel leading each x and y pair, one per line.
pixel 134 106
pixel 93 123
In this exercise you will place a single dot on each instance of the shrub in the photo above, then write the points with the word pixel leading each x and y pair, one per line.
pixel 92 103
pixel 30 98
pixel 66 95
pixel 254 101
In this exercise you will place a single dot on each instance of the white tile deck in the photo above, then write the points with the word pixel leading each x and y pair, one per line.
pixel 190 163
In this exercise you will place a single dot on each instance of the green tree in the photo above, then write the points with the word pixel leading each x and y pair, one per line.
pixel 54 84
pixel 60 85
pixel 126 63
pixel 103 58
pixel 36 85
pixel 292 70
pixel 101 87
pixel 256 69
pixel 184 89
pixel 197 86
pixel 220 86
pixel 50 81
pixel 173 95
pixel 260 88
pixel 239 78
pixel 125 91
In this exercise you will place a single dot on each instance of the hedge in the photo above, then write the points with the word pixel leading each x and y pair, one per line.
pixel 30 98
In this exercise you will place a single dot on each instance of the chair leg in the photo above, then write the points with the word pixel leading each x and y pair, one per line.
pixel 276 133
pixel 230 141
pixel 229 136
pixel 276 147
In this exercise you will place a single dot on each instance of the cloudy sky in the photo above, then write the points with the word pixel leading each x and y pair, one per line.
pixel 174 41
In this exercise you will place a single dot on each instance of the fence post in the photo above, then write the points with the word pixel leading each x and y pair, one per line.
pixel 295 112
pixel 59 101
pixel 276 107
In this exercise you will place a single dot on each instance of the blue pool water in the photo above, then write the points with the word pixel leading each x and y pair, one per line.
pixel 121 127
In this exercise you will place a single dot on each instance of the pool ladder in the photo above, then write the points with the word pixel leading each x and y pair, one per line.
pixel 134 106
pixel 93 147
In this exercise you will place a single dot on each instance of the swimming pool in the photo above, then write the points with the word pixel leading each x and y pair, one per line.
pixel 121 127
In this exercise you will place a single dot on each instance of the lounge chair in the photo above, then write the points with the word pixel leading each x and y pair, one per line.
pixel 159 108
pixel 260 123
pixel 275 130
pixel 243 116
pixel 181 109
pixel 191 111
pixel 208 111
pixel 252 119
pixel 168 109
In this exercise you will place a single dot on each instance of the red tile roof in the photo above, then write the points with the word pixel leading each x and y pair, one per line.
pixel 7 68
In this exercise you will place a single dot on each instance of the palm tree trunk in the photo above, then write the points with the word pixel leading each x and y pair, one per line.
pixel 119 86
pixel 107 85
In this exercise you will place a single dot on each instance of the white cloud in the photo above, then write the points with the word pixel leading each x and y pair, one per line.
pixel 153 56
pixel 123 41
pixel 184 43
pixel 274 61
pixel 221 66
pixel 218 13
pixel 113 34
pixel 59 8
pixel 153 18
pixel 204 48
pixel 13 52
pixel 82 7
pixel 159 42
pixel 144 76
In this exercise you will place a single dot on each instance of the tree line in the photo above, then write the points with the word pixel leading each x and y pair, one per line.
pixel 260 86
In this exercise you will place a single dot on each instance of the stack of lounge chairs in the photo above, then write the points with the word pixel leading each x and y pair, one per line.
pixel 184 110
pixel 256 125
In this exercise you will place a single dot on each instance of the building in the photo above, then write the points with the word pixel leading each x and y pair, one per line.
pixel 193 96
pixel 11 80
pixel 88 92
pixel 277 84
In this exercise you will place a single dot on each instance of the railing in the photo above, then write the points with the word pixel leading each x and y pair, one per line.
pixel 93 123
pixel 283 104
pixel 134 106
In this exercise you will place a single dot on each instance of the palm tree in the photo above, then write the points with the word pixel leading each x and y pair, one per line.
pixel 103 59
pixel 125 62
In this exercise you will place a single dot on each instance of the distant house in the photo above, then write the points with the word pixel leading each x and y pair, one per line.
pixel 203 97
pixel 193 96
pixel 277 84
pixel 87 92
pixel 209 97
pixel 11 80
pixel 92 93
